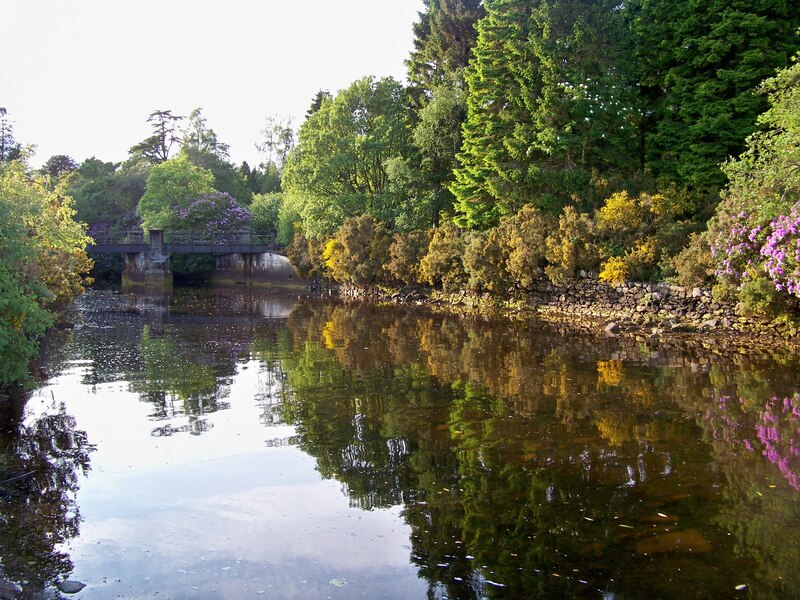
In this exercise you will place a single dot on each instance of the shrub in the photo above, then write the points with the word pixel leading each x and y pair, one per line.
pixel 215 215
pixel 306 256
pixel 759 297
pixel 405 254
pixel 620 216
pixel 525 237
pixel 614 271
pixel 485 256
pixel 358 251
pixel 735 246
pixel 570 248
pixel 442 264
pixel 693 266
pixel 781 250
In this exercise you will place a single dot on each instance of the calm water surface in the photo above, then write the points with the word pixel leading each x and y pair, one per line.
pixel 234 444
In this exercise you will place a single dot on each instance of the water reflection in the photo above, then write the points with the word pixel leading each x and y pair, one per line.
pixel 534 464
pixel 527 461
pixel 40 462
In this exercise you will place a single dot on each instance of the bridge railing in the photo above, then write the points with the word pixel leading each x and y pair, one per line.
pixel 188 241
pixel 187 238
pixel 243 237
pixel 108 238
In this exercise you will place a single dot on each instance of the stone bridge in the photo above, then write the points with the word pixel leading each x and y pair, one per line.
pixel 242 257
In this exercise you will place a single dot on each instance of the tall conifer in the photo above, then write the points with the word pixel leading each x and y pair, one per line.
pixel 700 64
pixel 551 97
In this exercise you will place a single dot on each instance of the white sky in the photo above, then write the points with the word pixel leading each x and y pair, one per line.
pixel 80 77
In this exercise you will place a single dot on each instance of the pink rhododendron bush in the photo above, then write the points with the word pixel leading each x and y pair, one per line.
pixel 755 234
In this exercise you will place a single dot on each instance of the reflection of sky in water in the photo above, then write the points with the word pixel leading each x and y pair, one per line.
pixel 222 514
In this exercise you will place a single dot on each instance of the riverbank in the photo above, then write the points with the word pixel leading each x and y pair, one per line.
pixel 646 311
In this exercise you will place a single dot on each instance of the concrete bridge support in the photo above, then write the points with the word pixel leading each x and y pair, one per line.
pixel 148 271
pixel 262 269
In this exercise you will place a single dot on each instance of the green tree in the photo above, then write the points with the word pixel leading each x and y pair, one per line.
pixel 766 177
pixel 198 139
pixel 264 211
pixel 58 165
pixel 338 168
pixel 277 141
pixel 156 148
pixel 551 98
pixel 10 149
pixel 172 185
pixel 316 103
pixel 700 63
pixel 202 148
pixel 444 37
pixel 106 195
pixel 42 263
pixel 437 136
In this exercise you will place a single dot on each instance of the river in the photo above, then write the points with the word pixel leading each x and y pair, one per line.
pixel 229 443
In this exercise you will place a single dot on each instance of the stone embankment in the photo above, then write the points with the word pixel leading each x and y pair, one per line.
pixel 659 306
pixel 586 303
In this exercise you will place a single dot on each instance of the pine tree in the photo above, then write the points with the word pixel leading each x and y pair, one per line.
pixel 551 97
pixel 443 40
pixel 700 65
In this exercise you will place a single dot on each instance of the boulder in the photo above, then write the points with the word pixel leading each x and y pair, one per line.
pixel 70 586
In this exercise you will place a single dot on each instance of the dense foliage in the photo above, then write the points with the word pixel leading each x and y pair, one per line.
pixel 42 263
pixel 339 166
pixel 576 136
pixel 551 98
pixel 700 64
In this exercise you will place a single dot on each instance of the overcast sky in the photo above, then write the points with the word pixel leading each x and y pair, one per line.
pixel 80 77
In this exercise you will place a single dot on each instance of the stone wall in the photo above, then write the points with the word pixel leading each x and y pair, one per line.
pixel 668 307
pixel 587 303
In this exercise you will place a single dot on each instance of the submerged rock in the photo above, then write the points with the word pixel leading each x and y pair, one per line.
pixel 70 586
pixel 682 542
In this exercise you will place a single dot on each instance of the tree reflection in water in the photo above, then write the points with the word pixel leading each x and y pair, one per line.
pixel 40 462
pixel 529 462
pixel 534 464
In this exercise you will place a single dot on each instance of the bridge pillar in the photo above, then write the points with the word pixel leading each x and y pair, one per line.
pixel 148 271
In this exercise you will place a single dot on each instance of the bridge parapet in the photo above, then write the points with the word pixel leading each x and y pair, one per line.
pixel 185 242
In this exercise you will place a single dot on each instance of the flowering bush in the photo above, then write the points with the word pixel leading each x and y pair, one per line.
pixel 782 252
pixel 358 251
pixel 405 253
pixel 443 264
pixel 736 249
pixel 569 248
pixel 754 233
pixel 216 215
pixel 760 258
